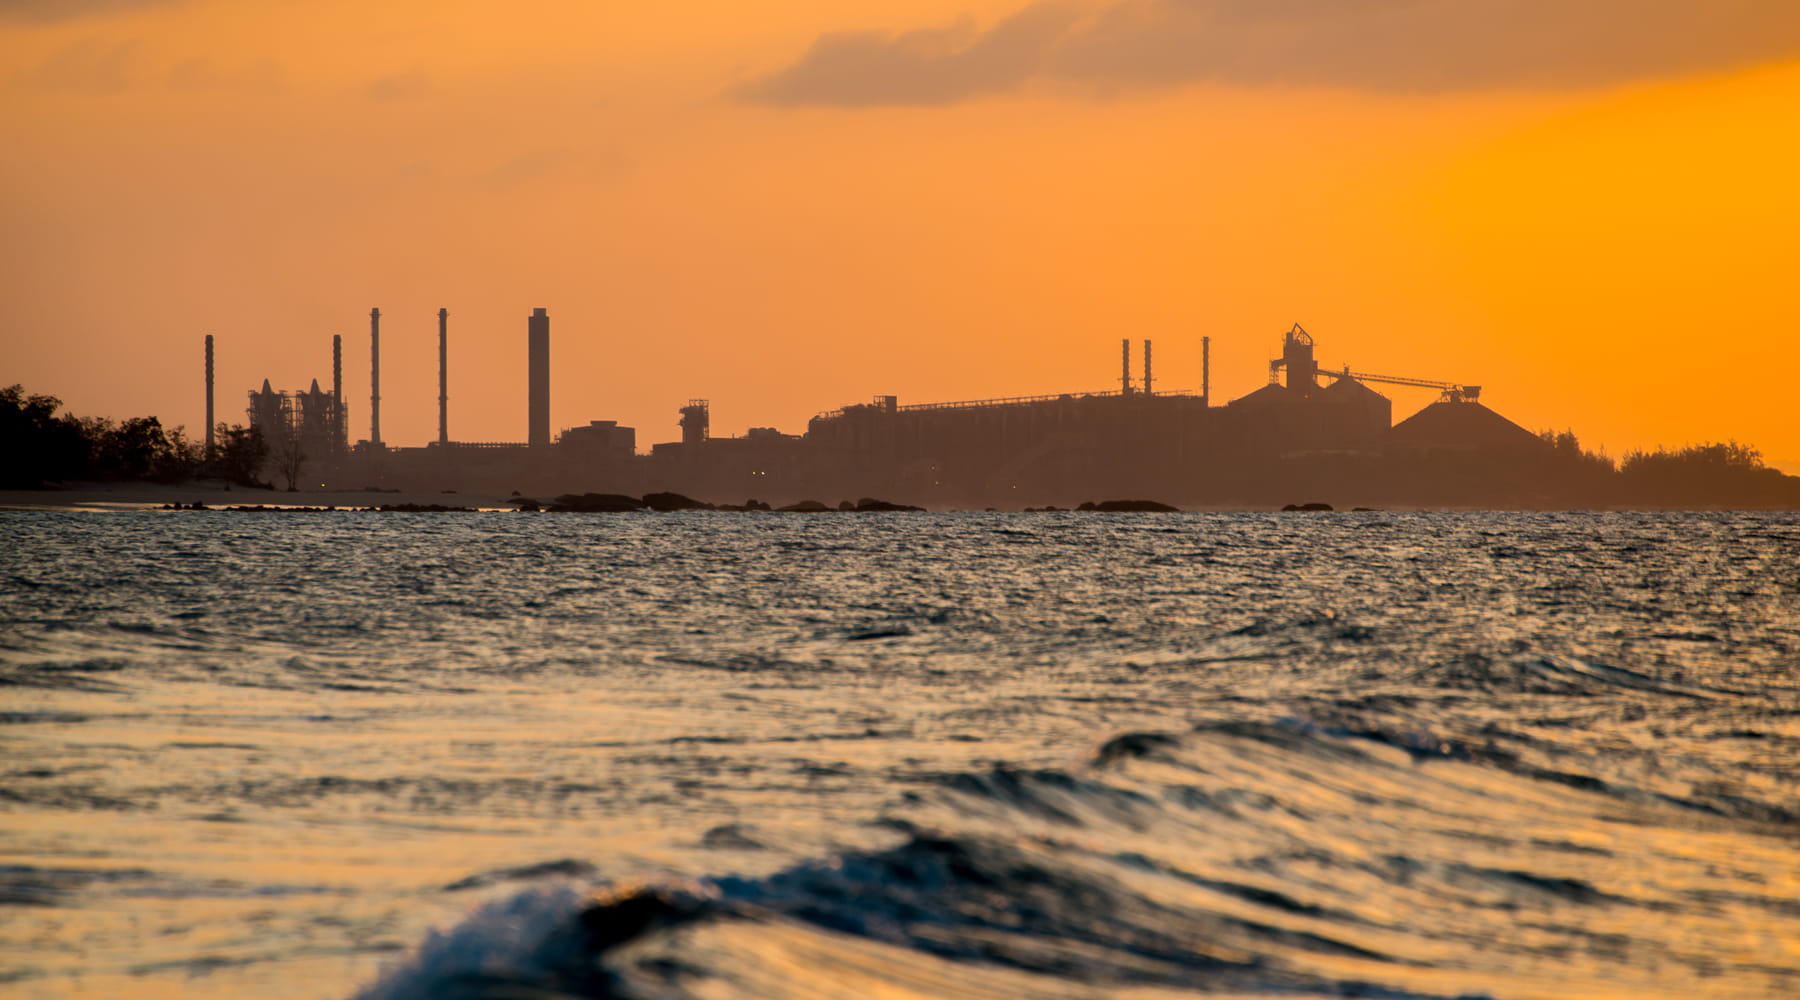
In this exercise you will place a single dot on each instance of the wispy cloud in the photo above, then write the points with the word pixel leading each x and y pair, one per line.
pixel 398 86
pixel 90 66
pixel 202 74
pixel 47 11
pixel 595 164
pixel 527 168
pixel 1387 46
pixel 100 66
pixel 926 66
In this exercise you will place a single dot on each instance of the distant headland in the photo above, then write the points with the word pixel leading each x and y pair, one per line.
pixel 1312 437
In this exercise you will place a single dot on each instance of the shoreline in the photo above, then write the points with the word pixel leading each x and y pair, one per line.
pixel 125 497
pixel 154 496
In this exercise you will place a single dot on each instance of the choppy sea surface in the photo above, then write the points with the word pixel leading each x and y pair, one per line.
pixel 1421 755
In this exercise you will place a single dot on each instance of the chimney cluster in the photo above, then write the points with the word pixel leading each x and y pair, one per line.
pixel 538 395
pixel 537 347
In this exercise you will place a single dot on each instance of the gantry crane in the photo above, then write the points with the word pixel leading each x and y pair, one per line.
pixel 1452 392
pixel 1296 357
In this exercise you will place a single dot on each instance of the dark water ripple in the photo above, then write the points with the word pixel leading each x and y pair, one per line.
pixel 1396 755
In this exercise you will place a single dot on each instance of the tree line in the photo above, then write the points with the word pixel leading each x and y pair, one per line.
pixel 43 447
pixel 1711 474
pixel 1707 474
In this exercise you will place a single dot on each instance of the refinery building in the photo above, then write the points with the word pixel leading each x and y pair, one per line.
pixel 1310 431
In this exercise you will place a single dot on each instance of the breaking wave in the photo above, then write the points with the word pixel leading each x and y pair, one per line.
pixel 1342 857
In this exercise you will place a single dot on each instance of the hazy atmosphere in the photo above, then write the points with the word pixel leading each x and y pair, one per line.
pixel 928 500
pixel 1588 209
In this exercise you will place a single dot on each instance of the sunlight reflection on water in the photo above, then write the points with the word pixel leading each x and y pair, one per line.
pixel 1493 751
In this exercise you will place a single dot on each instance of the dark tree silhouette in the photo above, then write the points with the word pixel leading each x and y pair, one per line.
pixel 39 447
pixel 1716 474
pixel 238 454
pixel 1567 448
pixel 286 456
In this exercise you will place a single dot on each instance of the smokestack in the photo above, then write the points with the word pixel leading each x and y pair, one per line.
pixel 1206 370
pixel 375 377
pixel 337 394
pixel 209 397
pixel 443 376
pixel 1148 382
pixel 537 346
pixel 1125 367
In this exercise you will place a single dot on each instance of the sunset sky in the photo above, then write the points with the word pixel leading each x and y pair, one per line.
pixel 1589 208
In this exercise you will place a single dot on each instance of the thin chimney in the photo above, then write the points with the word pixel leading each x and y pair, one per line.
pixel 537 361
pixel 337 394
pixel 1148 381
pixel 209 396
pixel 1206 370
pixel 443 376
pixel 375 377
pixel 1125 367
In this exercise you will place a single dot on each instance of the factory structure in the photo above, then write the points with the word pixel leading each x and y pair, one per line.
pixel 1311 431
pixel 312 423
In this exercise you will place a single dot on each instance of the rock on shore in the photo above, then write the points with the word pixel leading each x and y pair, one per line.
pixel 1129 506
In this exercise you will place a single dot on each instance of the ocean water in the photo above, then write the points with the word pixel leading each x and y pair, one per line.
pixel 1419 755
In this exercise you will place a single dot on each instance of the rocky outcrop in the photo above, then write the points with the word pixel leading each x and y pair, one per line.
pixel 666 502
pixel 870 504
pixel 1129 506
pixel 596 503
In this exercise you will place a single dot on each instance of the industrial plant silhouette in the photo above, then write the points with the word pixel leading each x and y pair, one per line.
pixel 1310 433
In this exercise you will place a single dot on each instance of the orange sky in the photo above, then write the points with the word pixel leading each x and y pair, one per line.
pixel 1589 209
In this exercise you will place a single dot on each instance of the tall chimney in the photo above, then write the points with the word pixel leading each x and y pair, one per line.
pixel 209 397
pixel 1148 381
pixel 443 376
pixel 337 394
pixel 1206 370
pixel 1125 367
pixel 375 377
pixel 537 346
